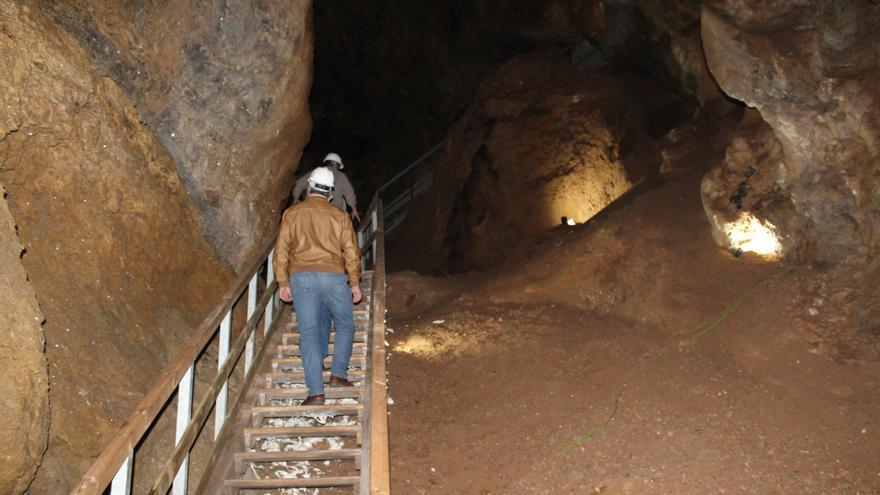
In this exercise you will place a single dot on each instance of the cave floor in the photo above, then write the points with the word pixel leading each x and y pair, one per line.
pixel 620 356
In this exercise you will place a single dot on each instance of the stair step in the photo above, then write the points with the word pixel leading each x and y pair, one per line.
pixel 359 348
pixel 297 455
pixel 299 376
pixel 292 338
pixel 360 322
pixel 278 364
pixel 268 484
pixel 301 393
pixel 262 412
pixel 300 431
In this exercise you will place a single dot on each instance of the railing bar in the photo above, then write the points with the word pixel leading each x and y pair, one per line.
pixel 410 167
pixel 380 482
pixel 121 484
pixel 222 355
pixel 184 412
pixel 270 308
pixel 251 307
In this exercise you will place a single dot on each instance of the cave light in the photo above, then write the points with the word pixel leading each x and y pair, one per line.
pixel 749 234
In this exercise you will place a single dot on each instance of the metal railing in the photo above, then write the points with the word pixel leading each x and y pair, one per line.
pixel 415 179
pixel 114 466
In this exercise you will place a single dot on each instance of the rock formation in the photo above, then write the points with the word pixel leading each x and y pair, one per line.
pixel 539 142
pixel 810 69
pixel 145 149
pixel 24 410
pixel 224 85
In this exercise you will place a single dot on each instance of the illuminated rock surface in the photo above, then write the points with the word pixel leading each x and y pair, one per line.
pixel 539 142
pixel 810 69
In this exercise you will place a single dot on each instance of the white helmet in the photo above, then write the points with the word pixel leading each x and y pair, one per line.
pixel 321 180
pixel 333 157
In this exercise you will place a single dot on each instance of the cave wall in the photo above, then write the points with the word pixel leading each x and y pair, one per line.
pixel 540 141
pixel 224 85
pixel 116 115
pixel 810 69
pixel 24 408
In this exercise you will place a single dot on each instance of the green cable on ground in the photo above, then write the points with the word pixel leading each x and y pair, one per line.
pixel 594 431
pixel 703 331
pixel 706 329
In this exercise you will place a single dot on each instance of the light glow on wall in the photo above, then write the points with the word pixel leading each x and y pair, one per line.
pixel 749 234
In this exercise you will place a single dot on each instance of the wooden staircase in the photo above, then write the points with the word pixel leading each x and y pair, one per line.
pixel 292 449
pixel 264 440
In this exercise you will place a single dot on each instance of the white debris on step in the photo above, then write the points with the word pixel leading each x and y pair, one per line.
pixel 438 322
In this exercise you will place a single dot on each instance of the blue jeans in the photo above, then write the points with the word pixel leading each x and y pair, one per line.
pixel 313 291
pixel 325 330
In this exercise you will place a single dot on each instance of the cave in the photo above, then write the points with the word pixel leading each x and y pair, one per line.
pixel 631 245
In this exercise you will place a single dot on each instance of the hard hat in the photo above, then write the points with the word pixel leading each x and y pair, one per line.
pixel 321 179
pixel 333 157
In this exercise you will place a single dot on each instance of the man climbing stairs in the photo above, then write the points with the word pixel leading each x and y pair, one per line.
pixel 284 446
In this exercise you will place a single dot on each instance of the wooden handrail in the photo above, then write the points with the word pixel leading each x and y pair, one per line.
pixel 380 480
pixel 200 415
pixel 106 465
pixel 375 478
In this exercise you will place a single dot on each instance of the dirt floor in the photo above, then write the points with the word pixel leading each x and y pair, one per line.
pixel 631 355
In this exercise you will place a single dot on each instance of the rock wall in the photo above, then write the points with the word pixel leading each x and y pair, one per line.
pixel 539 142
pixel 810 69
pixel 24 409
pixel 224 84
pixel 116 115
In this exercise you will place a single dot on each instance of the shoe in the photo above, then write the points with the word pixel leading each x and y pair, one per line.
pixel 314 400
pixel 335 381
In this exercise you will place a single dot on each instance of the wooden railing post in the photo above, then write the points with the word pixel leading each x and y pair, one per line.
pixel 269 318
pixel 251 308
pixel 121 484
pixel 222 354
pixel 184 412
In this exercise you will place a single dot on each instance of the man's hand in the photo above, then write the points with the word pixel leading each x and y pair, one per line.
pixel 356 294
pixel 285 294
pixel 354 214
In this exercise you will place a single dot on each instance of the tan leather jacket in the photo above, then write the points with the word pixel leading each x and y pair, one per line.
pixel 315 236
